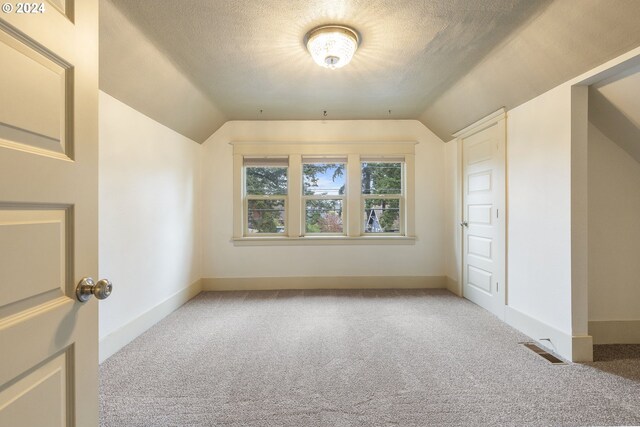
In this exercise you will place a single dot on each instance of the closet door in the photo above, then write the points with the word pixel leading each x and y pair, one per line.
pixel 483 225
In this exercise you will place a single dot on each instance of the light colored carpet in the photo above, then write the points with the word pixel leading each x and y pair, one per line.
pixel 354 358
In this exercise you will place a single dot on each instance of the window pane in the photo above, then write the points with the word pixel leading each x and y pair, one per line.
pixel 323 179
pixel 266 180
pixel 381 178
pixel 382 215
pixel 265 216
pixel 324 216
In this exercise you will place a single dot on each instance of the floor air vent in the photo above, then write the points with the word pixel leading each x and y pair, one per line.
pixel 543 353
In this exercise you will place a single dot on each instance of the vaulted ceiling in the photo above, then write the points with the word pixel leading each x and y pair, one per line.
pixel 195 64
pixel 614 108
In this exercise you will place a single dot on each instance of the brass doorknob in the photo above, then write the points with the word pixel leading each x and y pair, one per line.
pixel 88 287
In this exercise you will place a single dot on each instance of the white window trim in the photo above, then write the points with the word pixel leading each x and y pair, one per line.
pixel 246 197
pixel 353 201
pixel 399 196
pixel 343 197
pixel 323 240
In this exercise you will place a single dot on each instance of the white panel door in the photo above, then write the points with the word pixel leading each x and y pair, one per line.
pixel 483 226
pixel 48 213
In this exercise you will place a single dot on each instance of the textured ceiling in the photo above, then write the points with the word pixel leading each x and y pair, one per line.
pixel 568 38
pixel 445 62
pixel 134 71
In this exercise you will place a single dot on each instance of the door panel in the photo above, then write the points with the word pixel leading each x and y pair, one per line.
pixel 479 246
pixel 30 72
pixel 479 214
pixel 48 215
pixel 479 278
pixel 39 398
pixel 36 263
pixel 483 229
pixel 64 7
pixel 480 182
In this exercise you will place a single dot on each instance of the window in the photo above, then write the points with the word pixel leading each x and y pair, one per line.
pixel 323 195
pixel 327 193
pixel 382 196
pixel 266 189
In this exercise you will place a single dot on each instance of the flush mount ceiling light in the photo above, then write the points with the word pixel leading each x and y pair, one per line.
pixel 332 46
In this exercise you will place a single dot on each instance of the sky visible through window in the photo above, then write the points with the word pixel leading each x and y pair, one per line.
pixel 324 179
pixel 323 197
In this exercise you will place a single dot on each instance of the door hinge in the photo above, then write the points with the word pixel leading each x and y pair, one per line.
pixel 497 213
pixel 497 287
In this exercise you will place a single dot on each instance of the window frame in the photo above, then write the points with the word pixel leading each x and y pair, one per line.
pixel 263 162
pixel 352 200
pixel 395 196
pixel 306 160
pixel 246 215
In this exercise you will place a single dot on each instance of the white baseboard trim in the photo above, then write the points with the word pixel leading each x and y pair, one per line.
pixel 573 348
pixel 615 331
pixel 453 286
pixel 329 282
pixel 113 342
pixel 582 348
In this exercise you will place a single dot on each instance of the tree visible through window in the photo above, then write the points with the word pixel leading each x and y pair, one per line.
pixel 266 191
pixel 382 194
pixel 323 186
pixel 323 195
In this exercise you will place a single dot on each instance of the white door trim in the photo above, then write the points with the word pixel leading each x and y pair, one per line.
pixel 481 124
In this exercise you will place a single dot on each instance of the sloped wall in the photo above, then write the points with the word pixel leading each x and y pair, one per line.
pixel 614 242
pixel 149 197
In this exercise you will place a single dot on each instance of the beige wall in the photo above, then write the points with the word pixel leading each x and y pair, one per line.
pixel 149 215
pixel 222 259
pixel 614 231
pixel 550 244
pixel 539 208
pixel 539 223
pixel 453 215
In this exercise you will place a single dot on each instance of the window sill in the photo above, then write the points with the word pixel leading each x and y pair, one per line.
pixel 323 240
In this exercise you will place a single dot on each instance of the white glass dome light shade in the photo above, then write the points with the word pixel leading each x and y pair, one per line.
pixel 332 46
